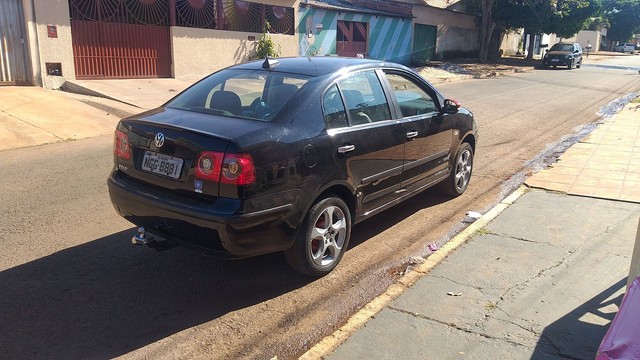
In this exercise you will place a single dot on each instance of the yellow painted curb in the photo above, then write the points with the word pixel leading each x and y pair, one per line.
pixel 360 318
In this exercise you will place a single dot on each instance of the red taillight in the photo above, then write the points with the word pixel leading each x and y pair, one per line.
pixel 121 145
pixel 237 169
pixel 209 165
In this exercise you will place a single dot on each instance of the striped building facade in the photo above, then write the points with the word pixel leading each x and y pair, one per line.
pixel 388 38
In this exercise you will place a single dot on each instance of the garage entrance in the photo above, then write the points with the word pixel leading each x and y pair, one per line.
pixel 13 53
pixel 424 43
pixel 351 38
pixel 118 39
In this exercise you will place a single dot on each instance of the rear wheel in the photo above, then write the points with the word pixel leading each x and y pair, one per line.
pixel 458 180
pixel 322 239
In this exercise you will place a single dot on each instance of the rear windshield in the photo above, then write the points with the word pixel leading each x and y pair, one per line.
pixel 562 47
pixel 252 94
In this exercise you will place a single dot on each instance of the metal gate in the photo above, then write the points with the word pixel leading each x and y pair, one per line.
pixel 13 52
pixel 424 43
pixel 351 38
pixel 120 38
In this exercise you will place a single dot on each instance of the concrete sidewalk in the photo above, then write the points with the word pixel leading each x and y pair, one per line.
pixel 539 277
pixel 31 116
pixel 541 281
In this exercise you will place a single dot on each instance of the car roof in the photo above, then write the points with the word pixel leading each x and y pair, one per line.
pixel 316 66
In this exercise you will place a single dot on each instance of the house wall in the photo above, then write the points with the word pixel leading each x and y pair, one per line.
pixel 51 50
pixel 199 52
pixel 195 52
pixel 457 33
pixel 511 43
pixel 585 37
pixel 389 38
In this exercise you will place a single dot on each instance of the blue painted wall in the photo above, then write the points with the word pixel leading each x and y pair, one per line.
pixel 389 38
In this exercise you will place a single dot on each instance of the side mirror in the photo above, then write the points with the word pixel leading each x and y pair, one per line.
pixel 450 106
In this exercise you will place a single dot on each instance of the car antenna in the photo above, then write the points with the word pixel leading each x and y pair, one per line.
pixel 269 64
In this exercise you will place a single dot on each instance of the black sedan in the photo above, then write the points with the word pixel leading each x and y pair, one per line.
pixel 286 155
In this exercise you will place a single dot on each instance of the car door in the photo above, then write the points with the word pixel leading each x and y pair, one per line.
pixel 367 144
pixel 427 131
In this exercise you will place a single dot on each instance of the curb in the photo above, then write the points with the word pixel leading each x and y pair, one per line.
pixel 331 342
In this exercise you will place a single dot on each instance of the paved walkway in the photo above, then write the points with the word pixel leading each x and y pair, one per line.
pixel 605 164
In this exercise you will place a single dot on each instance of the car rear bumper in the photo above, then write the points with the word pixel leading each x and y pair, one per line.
pixel 216 227
pixel 559 62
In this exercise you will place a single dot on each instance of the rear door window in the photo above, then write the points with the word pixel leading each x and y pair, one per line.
pixel 364 98
pixel 333 109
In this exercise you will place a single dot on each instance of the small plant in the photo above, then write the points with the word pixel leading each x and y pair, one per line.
pixel 266 45
pixel 483 231
pixel 490 306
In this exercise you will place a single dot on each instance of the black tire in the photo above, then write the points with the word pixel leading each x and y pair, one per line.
pixel 461 169
pixel 570 66
pixel 579 64
pixel 322 238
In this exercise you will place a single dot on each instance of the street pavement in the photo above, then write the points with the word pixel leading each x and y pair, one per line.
pixel 540 276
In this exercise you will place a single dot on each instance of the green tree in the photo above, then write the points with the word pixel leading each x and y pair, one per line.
pixel 487 27
pixel 563 17
pixel 534 16
pixel 624 18
pixel 571 16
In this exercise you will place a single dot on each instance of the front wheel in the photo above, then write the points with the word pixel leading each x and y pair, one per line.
pixel 458 180
pixel 322 238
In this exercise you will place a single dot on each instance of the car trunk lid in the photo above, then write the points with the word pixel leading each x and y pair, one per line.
pixel 165 145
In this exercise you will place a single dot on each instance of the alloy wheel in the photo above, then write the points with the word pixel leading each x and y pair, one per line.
pixel 463 170
pixel 328 236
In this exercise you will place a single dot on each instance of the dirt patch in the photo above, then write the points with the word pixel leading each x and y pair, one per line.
pixel 460 69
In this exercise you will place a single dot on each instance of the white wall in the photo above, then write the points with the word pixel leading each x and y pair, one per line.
pixel 456 31
pixel 199 52
pixel 51 50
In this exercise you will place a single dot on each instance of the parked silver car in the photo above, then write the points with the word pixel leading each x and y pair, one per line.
pixel 626 48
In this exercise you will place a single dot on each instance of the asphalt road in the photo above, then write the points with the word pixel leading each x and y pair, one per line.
pixel 72 286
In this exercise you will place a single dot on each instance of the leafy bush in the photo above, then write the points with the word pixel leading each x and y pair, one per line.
pixel 266 46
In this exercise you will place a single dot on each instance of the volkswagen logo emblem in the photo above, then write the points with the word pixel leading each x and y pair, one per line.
pixel 159 140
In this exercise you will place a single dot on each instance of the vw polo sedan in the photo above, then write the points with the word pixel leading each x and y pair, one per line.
pixel 287 155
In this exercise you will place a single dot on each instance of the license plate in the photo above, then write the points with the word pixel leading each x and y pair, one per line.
pixel 162 164
pixel 555 60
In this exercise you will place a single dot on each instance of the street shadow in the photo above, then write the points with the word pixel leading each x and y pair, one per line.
pixel 104 298
pixel 578 334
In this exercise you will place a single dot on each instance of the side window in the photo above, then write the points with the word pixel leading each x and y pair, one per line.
pixel 333 109
pixel 412 99
pixel 364 98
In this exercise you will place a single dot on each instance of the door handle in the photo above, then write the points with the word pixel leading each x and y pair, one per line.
pixel 346 149
pixel 412 134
